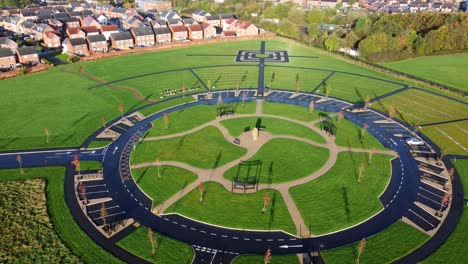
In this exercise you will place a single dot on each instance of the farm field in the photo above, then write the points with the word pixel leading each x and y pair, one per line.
pixel 221 207
pixel 449 70
pixel 348 201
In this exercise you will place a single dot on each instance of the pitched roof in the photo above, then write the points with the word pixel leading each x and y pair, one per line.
pixel 90 29
pixel 26 51
pixel 44 12
pixel 121 36
pixel 212 17
pixel 119 10
pixel 173 21
pixel 4 52
pixel 159 21
pixel 51 34
pixel 228 33
pixel 75 14
pixel 77 41
pixel 41 27
pixel 61 15
pixel 73 31
pixel 194 27
pixel 86 12
pixel 44 17
pixel 204 25
pixel 105 28
pixel 70 19
pixel 188 21
pixel 226 16
pixel 178 28
pixel 28 24
pixel 96 38
pixel 142 31
pixel 5 41
pixel 163 30
pixel 88 20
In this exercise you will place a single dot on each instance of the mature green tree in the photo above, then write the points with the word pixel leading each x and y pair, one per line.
pixel 315 16
pixel 332 43
pixel 363 27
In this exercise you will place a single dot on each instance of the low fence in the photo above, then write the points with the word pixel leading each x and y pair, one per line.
pixel 16 72
pixel 99 55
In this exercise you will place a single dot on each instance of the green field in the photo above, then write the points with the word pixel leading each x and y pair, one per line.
pixel 192 117
pixel 450 69
pixel 64 224
pixel 172 180
pixel 275 259
pixel 387 246
pixel 452 136
pixel 291 111
pixel 454 249
pixel 167 251
pixel 221 207
pixel 273 126
pixel 286 160
pixel 285 78
pixel 206 148
pixel 462 168
pixel 336 200
pixel 228 77
pixel 166 104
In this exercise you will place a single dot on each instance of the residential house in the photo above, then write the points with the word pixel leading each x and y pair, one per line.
pixel 199 15
pixel 51 40
pixel 76 46
pixel 143 36
pixel 244 28
pixel 166 15
pixel 7 59
pixel 162 35
pixel 92 30
pixel 56 25
pixel 12 23
pixel 108 30
pixel 179 33
pixel 44 18
pixel 27 14
pixel 153 5
pixel 117 12
pixel 328 3
pixel 102 19
pixel 227 24
pixel 174 22
pixel 75 33
pixel 6 43
pixel 195 32
pixel 189 21
pixel 97 43
pixel 75 14
pixel 209 31
pixel 27 56
pixel 40 29
pixel 213 20
pixel 77 6
pixel 132 21
pixel 71 22
pixel 86 13
pixel 225 17
pixel 159 23
pixel 227 34
pixel 27 27
pixel 122 40
pixel 60 16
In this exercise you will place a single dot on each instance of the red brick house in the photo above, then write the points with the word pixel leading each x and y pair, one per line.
pixel 143 36
pixel 209 31
pixel 179 33
pixel 228 34
pixel 243 28
pixel 195 32
pixel 75 33
pixel 7 43
pixel 7 59
pixel 90 21
pixel 163 35
pixel 97 43
pixel 92 30
pixel 76 46
pixel 122 40
pixel 27 56
pixel 213 20
pixel 108 30
pixel 51 40
pixel 71 22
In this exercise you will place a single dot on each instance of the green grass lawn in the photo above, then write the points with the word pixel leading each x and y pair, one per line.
pixel 205 149
pixel 285 78
pixel 58 101
pixel 271 125
pixel 451 136
pixel 229 76
pixel 462 168
pixel 449 70
pixel 336 200
pixel 275 259
pixel 65 226
pixel 454 249
pixel 172 180
pixel 350 135
pixel 168 250
pixel 396 241
pixel 90 165
pixel 286 160
pixel 356 88
pixel 290 111
pixel 166 104
pixel 192 117
pixel 221 207
pixel 418 106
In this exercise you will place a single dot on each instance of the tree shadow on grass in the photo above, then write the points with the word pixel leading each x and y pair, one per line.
pixel 346 203
pixel 272 211
pixel 217 160
pixel 74 123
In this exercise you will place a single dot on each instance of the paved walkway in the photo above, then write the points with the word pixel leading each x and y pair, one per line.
pixel 252 147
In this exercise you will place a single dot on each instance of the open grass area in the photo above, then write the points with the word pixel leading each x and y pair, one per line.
pixel 205 149
pixel 58 101
pixel 462 168
pixel 27 233
pixel 450 68
pixel 90 165
pixel 192 117
pixel 290 111
pixel 221 207
pixel 422 107
pixel 396 241
pixel 67 229
pixel 166 104
pixel 271 125
pixel 168 250
pixel 160 187
pixel 351 136
pixel 286 160
pixel 451 136
pixel 455 247
pixel 356 88
pixel 337 200
pixel 257 259
pixel 229 76
pixel 285 78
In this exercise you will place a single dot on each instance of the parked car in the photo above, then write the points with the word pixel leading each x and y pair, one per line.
pixel 414 142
